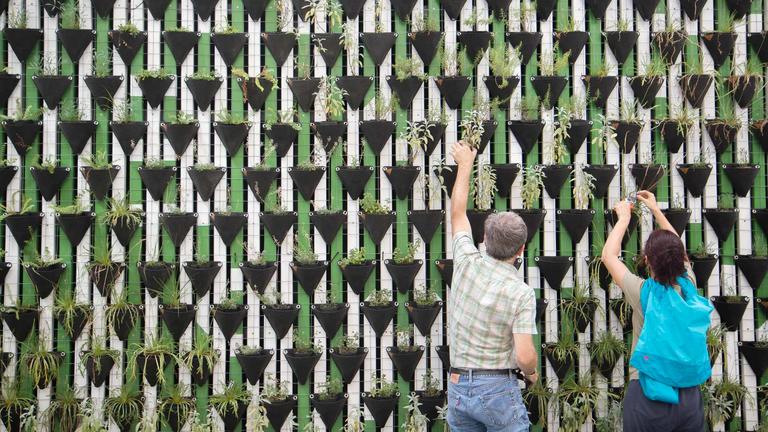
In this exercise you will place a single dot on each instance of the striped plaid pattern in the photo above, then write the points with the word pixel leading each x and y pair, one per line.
pixel 488 304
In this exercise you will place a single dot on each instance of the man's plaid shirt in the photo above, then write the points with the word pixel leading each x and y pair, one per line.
pixel 488 304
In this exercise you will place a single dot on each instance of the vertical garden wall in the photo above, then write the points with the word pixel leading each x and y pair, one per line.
pixel 231 215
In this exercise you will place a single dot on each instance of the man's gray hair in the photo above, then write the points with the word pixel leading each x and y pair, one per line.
pixel 505 234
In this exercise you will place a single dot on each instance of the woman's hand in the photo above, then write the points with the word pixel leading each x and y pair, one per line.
pixel 623 209
pixel 649 199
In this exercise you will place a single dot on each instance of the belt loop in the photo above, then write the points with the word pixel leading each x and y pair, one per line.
pixel 470 376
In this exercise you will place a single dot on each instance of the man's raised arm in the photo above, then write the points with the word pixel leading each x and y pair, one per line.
pixel 464 157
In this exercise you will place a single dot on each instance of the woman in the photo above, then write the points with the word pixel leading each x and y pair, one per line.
pixel 670 320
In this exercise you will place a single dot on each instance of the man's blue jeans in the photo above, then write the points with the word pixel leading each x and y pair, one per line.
pixel 486 403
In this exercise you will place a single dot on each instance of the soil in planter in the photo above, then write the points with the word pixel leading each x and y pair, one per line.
pixel 730 309
pixel 254 364
pixel 694 177
pixel 258 276
pixel 357 275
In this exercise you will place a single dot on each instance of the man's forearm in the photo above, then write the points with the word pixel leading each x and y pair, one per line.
pixel 460 193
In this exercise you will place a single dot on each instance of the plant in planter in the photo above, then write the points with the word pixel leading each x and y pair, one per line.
pixel 23 128
pixel 647 84
pixel 330 401
pixel 407 80
pixel 307 174
pixel 122 218
pixel 549 85
pixel 122 316
pixel 98 360
pixel 483 194
pixel 670 42
pixel 71 315
pixel 404 266
pixel 64 410
pixel 330 314
pixel 104 272
pixel 715 342
pixel 605 351
pixel 730 306
pixel 306 267
pixel 696 82
pixel 49 177
pixel 379 309
pixel 405 354
pixel 472 129
pixel 537 398
pixel 180 131
pixel 623 311
pixel 153 84
pixel 203 85
pixel 254 360
pixel 127 40
pixel 231 404
pixel 281 316
pixel 530 193
pixel 49 83
pixel 432 398
pixel 125 407
pixel 229 313
pixel 255 89
pixel 744 81
pixel 674 129
pixel 562 355
pixel 378 131
pixel 723 218
pixel 376 217
pixel 42 364
pixel 452 84
pixel 356 269
pixel 127 131
pixel 577 220
pixel 723 129
pixel 150 359
pixel 381 399
pixel 577 399
pixel 232 129
pixel 22 222
pixel 581 307
pixel 628 128
pixel 283 131
pixel 349 356
pixel 722 399
pixel 176 407
pixel 44 271
pixel 415 421
pixel 74 220
pixel 101 83
pixel 13 405
pixel 303 357
pixel 74 127
pixel 504 62
pixel 570 129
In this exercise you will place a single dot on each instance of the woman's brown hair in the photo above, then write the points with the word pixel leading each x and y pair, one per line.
pixel 666 256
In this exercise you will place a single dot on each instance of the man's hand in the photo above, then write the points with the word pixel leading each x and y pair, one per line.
pixel 649 199
pixel 623 210
pixel 463 154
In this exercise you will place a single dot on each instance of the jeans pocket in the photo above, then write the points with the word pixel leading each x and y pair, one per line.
pixel 501 409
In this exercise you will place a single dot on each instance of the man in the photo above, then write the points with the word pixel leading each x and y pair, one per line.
pixel 491 318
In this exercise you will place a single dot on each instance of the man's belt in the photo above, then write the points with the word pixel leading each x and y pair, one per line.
pixel 488 372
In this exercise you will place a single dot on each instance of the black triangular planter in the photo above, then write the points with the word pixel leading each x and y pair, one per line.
pixel 329 410
pixel 742 177
pixel 403 9
pixel 178 318
pixel 533 219
pixel 302 365
pixel 172 415
pixel 743 88
pixel 739 8
pixel 425 43
pixel 229 320
pixel 153 277
pixel 525 42
pixel 576 221
pixel 722 221
pixel 453 8
pixel 11 417
pixel 157 8
pixel 154 89
pixel 229 225
pixel 205 181
pixel 444 353
pixel 129 134
pixel 256 91
pixel 598 7
pixel 720 46
pixel 405 89
pixel 477 223
pixel 281 318
pixel 306 180
pixel 201 275
pixel 232 135
pixel 501 88
pixel 759 42
pixel 254 364
pixel 103 8
pixel 526 132
pixel 646 8
pixel 232 419
pixel 180 135
pixel 23 41
pixel 156 180
pixel 678 218
pixel 424 316
pixel 758 215
pixel 672 134
pixel 627 134
pixel 200 370
pixel 702 268
pixel 403 275
pixel 104 276
pixel 756 356
pixel 354 179
pixel 98 375
pixel 555 178
pixel 544 9
pixel 22 133
pixel 75 225
pixel 52 88
pixel 723 135
pixel 447 176
pixel 45 279
pixel 426 222
pixel 304 90
pixel 379 317
pixel 357 275
pixel 603 175
pixel 8 83
pixel 328 224
pixel 349 364
pixel 278 411
pixel 283 136
pixel 670 44
pixel 352 8
pixel 695 177
pixel 572 42
pixel 127 44
pixel 23 225
pixel 77 133
pixel 634 220
pixel 103 89
pixel 645 89
pixel 377 133
pixel 21 326
pixel 402 179
pixel 123 324
pixel 180 43
pixel 730 311
pixel 561 367
pixel 79 318
pixel 754 268
pixel 489 128
pixel 377 225
pixel 330 316
pixel 476 42
pixel 204 8
pixel 647 176
pixel 452 89
pixel 279 45
pixel 599 88
pixel 329 45
pixel 178 225
pixel 695 87
pixel 309 275
pixel 429 404
pixel 445 268
pixel 378 45
pixel 554 269
pixel 229 45
pixel 693 8
pixel 381 408
pixel 331 133
pixel 278 224
pixel 4 268
pixel 548 88
pixel 203 91
pixel 762 303
pixel 355 88
pixel 578 131
pixel 48 182
pixel 260 180
pixel 436 132
pixel 405 361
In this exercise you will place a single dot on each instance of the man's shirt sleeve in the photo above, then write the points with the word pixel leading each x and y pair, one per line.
pixel 524 321
pixel 464 249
